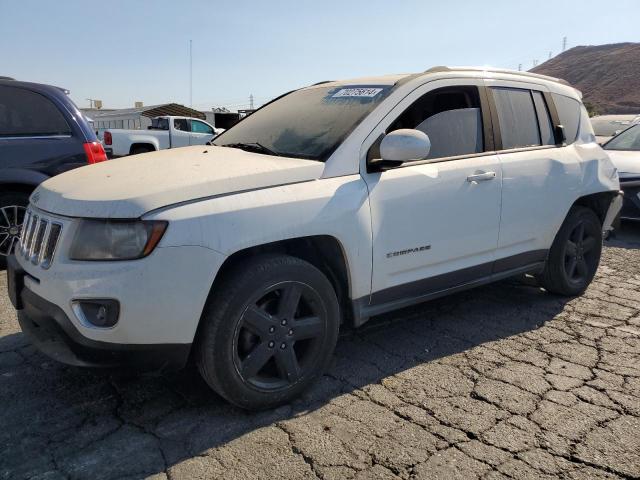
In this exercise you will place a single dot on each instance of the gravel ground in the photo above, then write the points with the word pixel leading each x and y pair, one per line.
pixel 504 381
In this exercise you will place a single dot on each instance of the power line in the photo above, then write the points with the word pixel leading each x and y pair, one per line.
pixel 191 73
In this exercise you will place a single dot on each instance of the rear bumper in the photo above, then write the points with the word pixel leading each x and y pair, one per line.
pixel 613 212
pixel 631 204
pixel 52 332
pixel 109 152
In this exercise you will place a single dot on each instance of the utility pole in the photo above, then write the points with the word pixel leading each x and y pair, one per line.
pixel 251 101
pixel 190 73
pixel 564 43
pixel 535 62
pixel 550 55
pixel 519 67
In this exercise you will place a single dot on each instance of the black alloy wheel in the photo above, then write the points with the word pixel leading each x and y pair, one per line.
pixel 575 253
pixel 580 255
pixel 278 336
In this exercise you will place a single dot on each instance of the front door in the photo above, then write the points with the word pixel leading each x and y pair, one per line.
pixel 201 132
pixel 435 223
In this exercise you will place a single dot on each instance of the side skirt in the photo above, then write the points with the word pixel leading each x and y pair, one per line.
pixel 363 309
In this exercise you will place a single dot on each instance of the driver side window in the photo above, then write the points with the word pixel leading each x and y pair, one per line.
pixel 451 117
pixel 200 127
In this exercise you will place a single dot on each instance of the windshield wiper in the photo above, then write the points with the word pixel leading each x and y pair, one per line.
pixel 253 147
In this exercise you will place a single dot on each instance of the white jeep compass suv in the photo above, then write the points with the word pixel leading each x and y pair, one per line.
pixel 329 205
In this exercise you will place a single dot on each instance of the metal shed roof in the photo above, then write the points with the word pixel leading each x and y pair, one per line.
pixel 152 111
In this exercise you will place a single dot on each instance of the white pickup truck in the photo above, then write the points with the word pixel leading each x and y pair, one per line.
pixel 164 132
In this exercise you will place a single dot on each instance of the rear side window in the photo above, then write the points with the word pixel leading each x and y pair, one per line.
pixel 181 124
pixel 517 117
pixel 544 119
pixel 24 113
pixel 569 114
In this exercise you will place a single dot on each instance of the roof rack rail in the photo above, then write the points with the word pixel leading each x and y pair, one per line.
pixel 443 68
pixel 322 82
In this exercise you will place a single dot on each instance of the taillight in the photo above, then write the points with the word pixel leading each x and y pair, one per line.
pixel 95 152
pixel 107 138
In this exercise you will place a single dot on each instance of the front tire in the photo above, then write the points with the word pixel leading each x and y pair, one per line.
pixel 13 206
pixel 268 332
pixel 575 254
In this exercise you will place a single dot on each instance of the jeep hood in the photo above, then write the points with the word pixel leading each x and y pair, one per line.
pixel 132 186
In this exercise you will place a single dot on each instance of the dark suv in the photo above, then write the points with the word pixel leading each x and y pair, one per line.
pixel 42 134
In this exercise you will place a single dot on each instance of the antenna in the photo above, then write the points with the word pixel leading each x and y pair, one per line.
pixel 535 62
pixel 550 55
pixel 251 101
pixel 564 43
pixel 519 67
pixel 190 73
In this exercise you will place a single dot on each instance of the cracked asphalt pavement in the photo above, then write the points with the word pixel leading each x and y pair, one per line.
pixel 505 381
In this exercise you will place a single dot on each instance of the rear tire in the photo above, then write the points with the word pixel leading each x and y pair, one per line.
pixel 12 209
pixel 575 254
pixel 268 332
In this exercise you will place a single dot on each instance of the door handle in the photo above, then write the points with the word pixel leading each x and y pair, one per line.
pixel 481 177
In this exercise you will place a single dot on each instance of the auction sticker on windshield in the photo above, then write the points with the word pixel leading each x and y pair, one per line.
pixel 357 92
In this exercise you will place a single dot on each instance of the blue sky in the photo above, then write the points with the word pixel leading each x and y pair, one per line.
pixel 122 51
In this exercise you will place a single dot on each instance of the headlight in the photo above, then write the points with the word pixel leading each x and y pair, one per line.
pixel 116 239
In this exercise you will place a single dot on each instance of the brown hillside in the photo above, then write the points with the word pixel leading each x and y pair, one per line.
pixel 607 75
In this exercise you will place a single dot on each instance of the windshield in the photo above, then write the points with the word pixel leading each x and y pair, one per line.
pixel 627 140
pixel 309 123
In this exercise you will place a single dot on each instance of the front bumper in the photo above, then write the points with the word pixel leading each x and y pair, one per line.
pixel 52 332
pixel 631 204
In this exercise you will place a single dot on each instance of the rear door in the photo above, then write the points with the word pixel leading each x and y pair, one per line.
pixel 435 222
pixel 180 133
pixel 540 176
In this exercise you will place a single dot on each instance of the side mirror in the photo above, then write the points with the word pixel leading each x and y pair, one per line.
pixel 401 146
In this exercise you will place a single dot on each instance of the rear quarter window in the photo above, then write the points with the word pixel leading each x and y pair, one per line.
pixel 569 113
pixel 24 113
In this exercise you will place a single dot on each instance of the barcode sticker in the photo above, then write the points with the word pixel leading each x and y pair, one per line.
pixel 357 92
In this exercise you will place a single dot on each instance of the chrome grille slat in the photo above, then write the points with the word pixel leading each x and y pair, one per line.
pixel 34 235
pixel 50 246
pixel 39 239
pixel 25 226
pixel 32 226
pixel 45 240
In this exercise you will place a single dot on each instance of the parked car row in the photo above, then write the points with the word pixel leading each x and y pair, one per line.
pixel 333 203
pixel 624 151
pixel 42 134
pixel 608 126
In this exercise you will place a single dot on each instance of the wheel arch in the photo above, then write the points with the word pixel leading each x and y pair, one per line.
pixel 325 252
pixel 598 202
pixel 149 146
pixel 18 187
